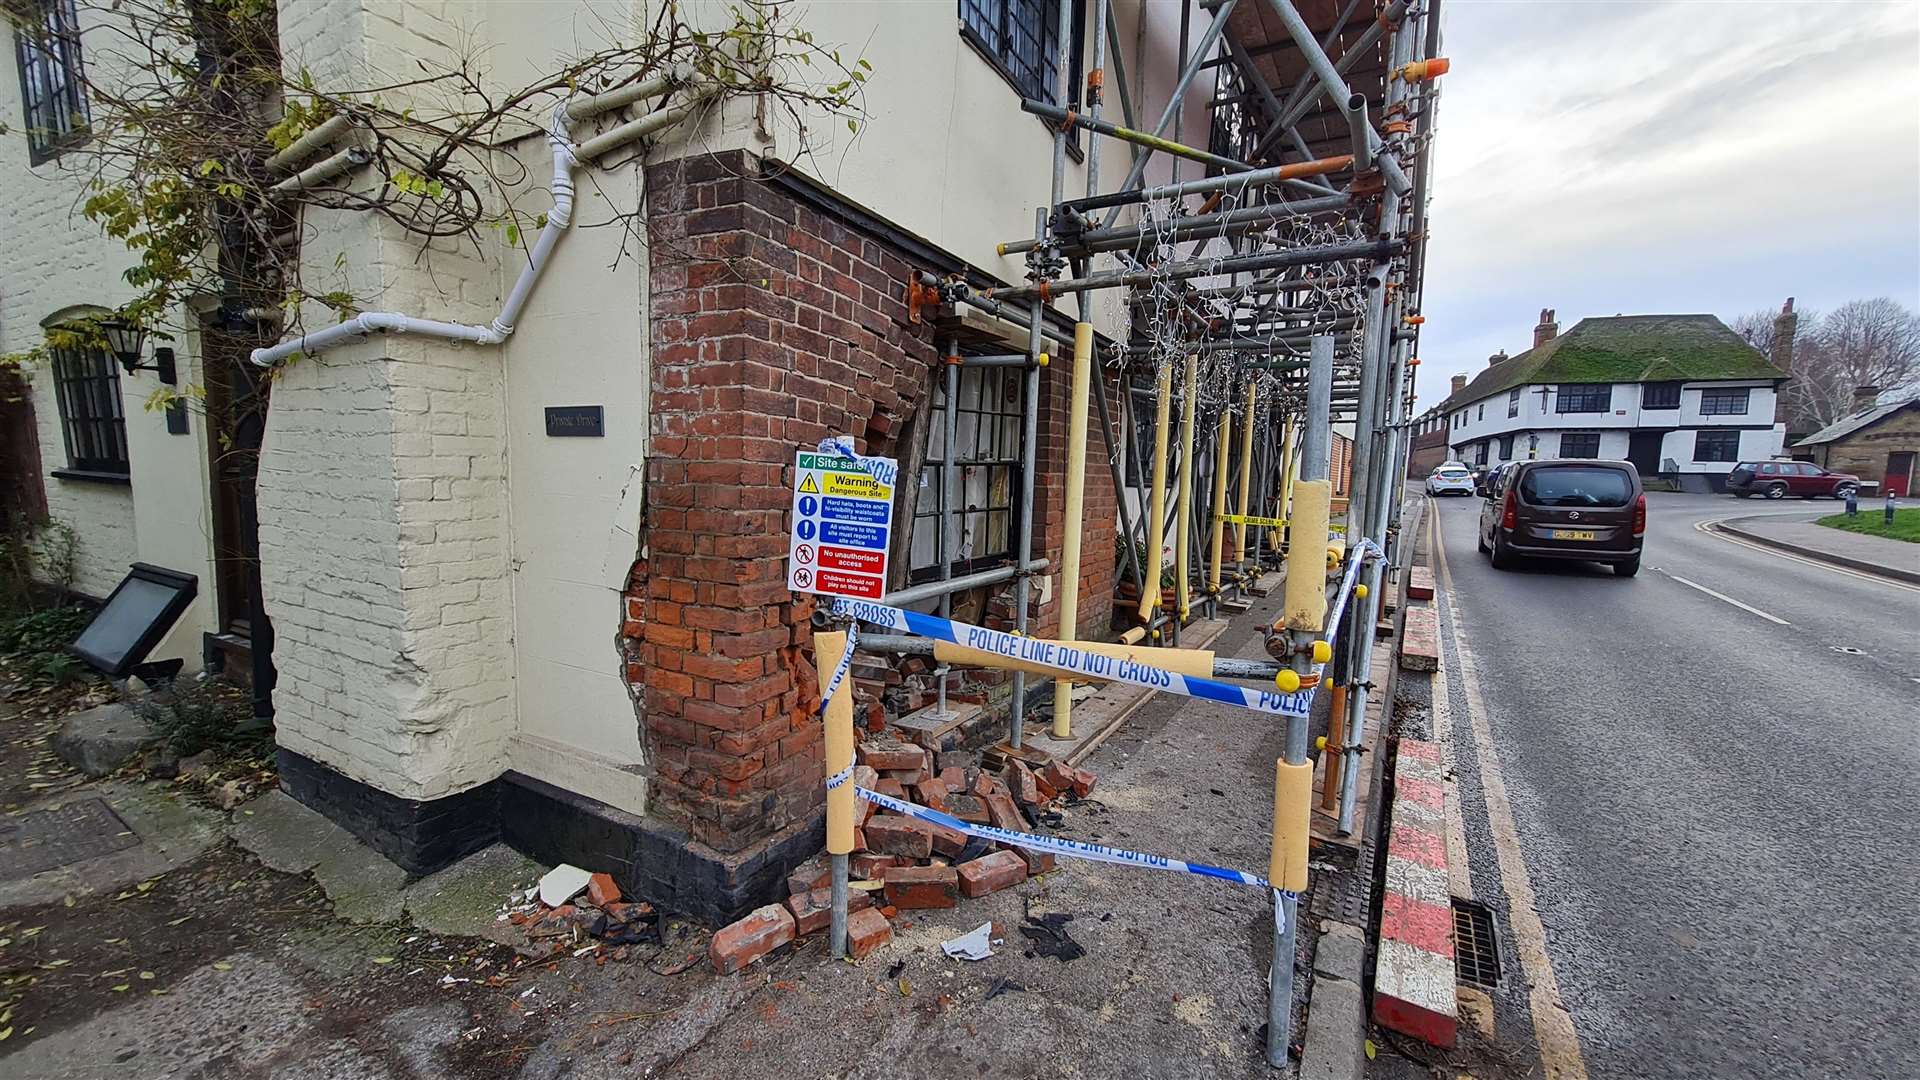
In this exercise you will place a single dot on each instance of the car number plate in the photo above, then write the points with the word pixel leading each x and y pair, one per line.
pixel 1573 534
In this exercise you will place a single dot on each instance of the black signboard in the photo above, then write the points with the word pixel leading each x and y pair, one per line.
pixel 578 421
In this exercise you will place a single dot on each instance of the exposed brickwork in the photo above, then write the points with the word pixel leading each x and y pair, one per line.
pixel 1050 498
pixel 773 327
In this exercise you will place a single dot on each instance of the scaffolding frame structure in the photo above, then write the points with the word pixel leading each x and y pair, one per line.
pixel 1274 295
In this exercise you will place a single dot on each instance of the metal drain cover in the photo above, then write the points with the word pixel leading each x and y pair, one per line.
pixel 1476 953
pixel 36 842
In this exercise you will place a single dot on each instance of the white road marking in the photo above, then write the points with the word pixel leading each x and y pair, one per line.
pixel 1552 1023
pixel 1749 608
pixel 1459 873
pixel 1711 528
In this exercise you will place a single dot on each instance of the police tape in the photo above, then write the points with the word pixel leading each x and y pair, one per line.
pixel 1072 661
pixel 1072 849
pixel 1249 519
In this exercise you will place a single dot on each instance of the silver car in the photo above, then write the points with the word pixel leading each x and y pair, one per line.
pixel 1450 479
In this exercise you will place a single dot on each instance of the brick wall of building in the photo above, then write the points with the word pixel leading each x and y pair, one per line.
pixel 773 327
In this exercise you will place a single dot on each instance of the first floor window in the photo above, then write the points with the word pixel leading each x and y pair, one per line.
pixel 1585 397
pixel 987 466
pixel 1513 403
pixel 1723 401
pixel 86 383
pixel 1580 444
pixel 46 46
pixel 1660 395
pixel 1022 39
pixel 1716 445
pixel 1482 414
pixel 1506 446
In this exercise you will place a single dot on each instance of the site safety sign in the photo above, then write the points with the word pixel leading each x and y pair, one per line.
pixel 842 523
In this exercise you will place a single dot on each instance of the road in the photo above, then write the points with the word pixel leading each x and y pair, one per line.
pixel 1713 813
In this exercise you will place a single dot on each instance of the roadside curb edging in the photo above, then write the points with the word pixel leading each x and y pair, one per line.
pixel 1337 1011
pixel 1882 570
pixel 1413 975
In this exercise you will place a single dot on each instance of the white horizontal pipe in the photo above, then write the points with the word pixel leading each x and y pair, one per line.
pixel 304 147
pixel 646 125
pixel 583 108
pixel 315 175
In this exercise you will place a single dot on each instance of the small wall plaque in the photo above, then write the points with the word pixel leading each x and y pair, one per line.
pixel 576 421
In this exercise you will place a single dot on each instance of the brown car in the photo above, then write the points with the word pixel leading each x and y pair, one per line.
pixel 1569 508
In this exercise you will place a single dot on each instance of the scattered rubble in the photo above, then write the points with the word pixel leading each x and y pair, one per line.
pixel 919 865
pixel 579 924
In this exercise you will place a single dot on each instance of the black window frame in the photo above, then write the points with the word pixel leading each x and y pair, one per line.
pixel 1513 403
pixel 1668 397
pixel 1009 465
pixel 977 19
pixel 1480 452
pixel 1584 398
pixel 1482 414
pixel 1506 448
pixel 93 421
pixel 1572 452
pixel 1719 400
pixel 45 49
pixel 1727 440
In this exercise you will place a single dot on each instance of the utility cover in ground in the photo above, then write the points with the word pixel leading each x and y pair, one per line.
pixel 842 524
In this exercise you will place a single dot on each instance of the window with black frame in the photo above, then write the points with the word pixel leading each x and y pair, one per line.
pixel 1513 403
pixel 46 48
pixel 1724 401
pixel 1660 395
pixel 1580 444
pixel 1716 446
pixel 1584 398
pixel 1021 38
pixel 86 382
pixel 987 459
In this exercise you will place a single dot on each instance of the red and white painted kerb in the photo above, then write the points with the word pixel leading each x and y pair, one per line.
pixel 1413 975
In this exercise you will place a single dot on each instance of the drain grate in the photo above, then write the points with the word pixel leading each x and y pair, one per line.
pixel 40 841
pixel 1476 953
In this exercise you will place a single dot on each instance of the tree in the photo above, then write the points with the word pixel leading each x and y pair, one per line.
pixel 1860 343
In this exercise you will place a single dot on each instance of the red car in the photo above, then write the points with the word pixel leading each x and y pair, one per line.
pixel 1779 479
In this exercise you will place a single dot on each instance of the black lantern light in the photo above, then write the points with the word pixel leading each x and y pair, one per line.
pixel 127 340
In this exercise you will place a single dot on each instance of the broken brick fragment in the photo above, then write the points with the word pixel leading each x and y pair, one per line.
pixel 994 872
pixel 919 887
pixel 867 930
pixel 932 792
pixel 907 777
pixel 867 865
pixel 1020 783
pixel 809 875
pixel 890 787
pixel 1002 812
pixel 954 777
pixel 814 910
pixel 889 756
pixel 753 937
pixel 891 834
pixel 969 808
pixel 981 783
pixel 1057 776
pixel 1083 780
pixel 602 890
pixel 949 842
pixel 1038 862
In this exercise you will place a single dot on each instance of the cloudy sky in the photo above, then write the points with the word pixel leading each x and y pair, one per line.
pixel 1610 157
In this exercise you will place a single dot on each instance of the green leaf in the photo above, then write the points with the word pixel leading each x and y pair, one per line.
pixel 222 965
pixel 383 959
pixel 513 235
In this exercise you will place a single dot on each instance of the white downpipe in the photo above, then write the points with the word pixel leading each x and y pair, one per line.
pixel 566 157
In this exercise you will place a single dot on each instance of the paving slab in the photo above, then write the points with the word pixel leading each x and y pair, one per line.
pixel 465 898
pixel 167 830
pixel 293 838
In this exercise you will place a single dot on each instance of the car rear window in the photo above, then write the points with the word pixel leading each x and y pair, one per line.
pixel 1454 474
pixel 1575 485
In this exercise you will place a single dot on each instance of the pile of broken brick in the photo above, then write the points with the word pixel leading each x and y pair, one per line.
pixel 589 916
pixel 901 863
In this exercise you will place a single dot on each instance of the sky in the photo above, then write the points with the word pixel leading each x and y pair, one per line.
pixel 1611 157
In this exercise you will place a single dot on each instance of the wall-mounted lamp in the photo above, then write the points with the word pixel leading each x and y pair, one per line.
pixel 128 341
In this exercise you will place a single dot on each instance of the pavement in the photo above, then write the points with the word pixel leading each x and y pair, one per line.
pixel 1797 533
pixel 267 942
pixel 1688 799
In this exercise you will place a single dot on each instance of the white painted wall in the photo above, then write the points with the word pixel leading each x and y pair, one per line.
pixel 1467 426
pixel 60 265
